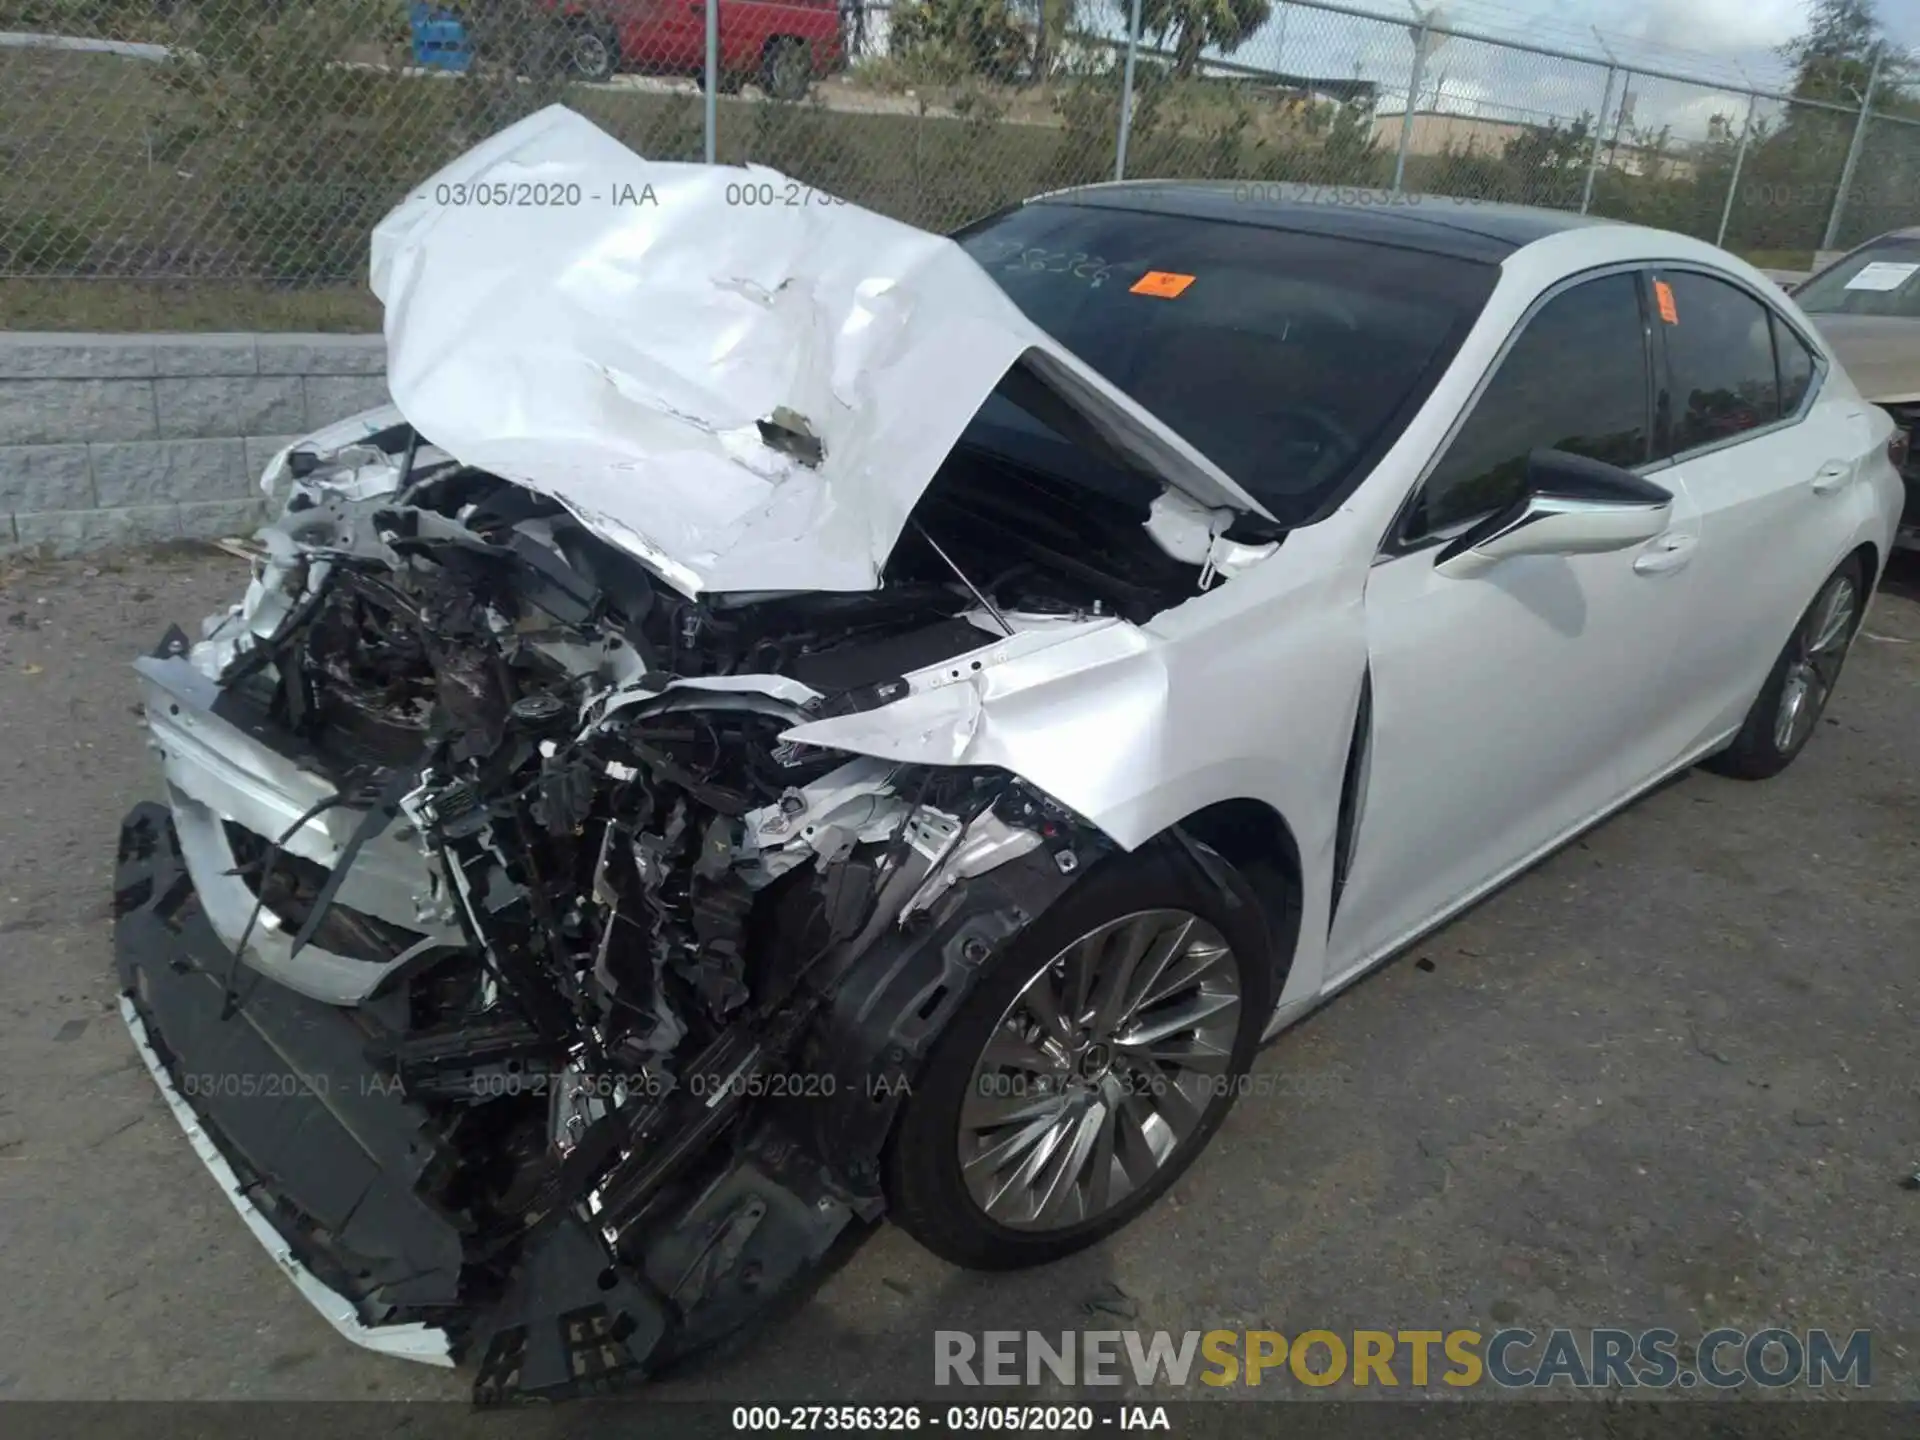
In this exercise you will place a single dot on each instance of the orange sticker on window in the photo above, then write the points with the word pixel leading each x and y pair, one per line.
pixel 1669 311
pixel 1161 284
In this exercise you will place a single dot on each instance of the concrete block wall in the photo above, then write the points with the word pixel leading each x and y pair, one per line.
pixel 112 439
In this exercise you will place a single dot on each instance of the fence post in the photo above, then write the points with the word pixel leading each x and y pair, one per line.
pixel 1126 96
pixel 712 8
pixel 1853 151
pixel 1413 95
pixel 1599 128
pixel 1620 119
pixel 1739 164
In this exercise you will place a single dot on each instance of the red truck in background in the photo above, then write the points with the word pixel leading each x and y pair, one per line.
pixel 781 44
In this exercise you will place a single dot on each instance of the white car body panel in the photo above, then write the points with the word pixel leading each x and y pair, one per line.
pixel 1511 710
pixel 1553 704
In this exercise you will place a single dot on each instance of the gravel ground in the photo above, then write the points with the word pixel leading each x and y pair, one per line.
pixel 1666 1078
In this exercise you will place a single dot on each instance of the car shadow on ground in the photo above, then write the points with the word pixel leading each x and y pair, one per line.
pixel 1902 575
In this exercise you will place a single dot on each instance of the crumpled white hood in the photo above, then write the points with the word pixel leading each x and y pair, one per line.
pixel 616 346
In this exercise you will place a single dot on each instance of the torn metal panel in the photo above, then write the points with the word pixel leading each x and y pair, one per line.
pixel 632 356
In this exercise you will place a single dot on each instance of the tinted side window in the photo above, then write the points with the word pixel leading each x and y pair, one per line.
pixel 1719 360
pixel 1574 380
pixel 1796 366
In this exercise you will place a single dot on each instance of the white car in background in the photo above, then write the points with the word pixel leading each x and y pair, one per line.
pixel 790 719
pixel 1867 305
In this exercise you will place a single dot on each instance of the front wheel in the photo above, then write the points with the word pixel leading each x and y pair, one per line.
pixel 1795 695
pixel 1089 1067
pixel 592 53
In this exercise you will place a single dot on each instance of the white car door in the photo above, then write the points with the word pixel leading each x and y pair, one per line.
pixel 1510 707
pixel 1765 452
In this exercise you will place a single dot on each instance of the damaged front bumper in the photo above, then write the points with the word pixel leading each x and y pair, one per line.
pixel 275 1099
pixel 227 781
pixel 660 1231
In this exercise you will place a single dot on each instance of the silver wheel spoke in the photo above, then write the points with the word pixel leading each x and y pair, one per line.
pixel 1836 618
pixel 1060 1201
pixel 1022 1189
pixel 992 1112
pixel 1182 971
pixel 1179 1109
pixel 1187 1054
pixel 1027 1146
pixel 1042 1002
pixel 1080 962
pixel 1820 651
pixel 1114 985
pixel 1100 1163
pixel 1011 1050
pixel 1173 1018
pixel 1132 1148
pixel 1099 1069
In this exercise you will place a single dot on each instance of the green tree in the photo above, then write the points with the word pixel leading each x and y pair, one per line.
pixel 1053 19
pixel 1792 177
pixel 1833 59
pixel 960 37
pixel 1193 25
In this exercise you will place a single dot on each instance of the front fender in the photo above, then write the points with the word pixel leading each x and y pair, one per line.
pixel 870 1044
pixel 1246 692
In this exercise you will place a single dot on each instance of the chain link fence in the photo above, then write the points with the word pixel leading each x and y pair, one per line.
pixel 259 140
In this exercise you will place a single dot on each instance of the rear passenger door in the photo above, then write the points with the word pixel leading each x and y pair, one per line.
pixel 1761 452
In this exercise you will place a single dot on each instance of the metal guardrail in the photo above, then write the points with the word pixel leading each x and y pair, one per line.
pixel 244 140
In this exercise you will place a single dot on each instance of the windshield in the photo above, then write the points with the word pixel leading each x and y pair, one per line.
pixel 1877 280
pixel 1290 360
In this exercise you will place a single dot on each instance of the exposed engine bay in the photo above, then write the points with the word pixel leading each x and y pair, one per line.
pixel 658 978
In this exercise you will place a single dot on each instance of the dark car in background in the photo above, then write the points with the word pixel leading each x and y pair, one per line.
pixel 783 45
pixel 1868 305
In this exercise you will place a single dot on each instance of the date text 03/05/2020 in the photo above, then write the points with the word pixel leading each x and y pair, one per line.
pixel 544 195
pixel 954 1419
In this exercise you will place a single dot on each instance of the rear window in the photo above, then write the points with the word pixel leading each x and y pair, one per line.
pixel 1720 361
pixel 1290 360
pixel 1881 279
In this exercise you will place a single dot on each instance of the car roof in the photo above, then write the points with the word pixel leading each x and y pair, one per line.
pixel 1439 224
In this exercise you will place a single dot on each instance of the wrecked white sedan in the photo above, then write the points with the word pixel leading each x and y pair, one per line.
pixel 791 718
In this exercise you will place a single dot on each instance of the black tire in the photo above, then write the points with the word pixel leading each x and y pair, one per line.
pixel 1766 745
pixel 592 52
pixel 786 69
pixel 927 1193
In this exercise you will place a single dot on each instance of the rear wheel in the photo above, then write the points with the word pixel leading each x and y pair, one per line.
pixel 1795 696
pixel 786 70
pixel 1088 1069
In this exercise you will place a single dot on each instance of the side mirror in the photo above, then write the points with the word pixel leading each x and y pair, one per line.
pixel 1571 506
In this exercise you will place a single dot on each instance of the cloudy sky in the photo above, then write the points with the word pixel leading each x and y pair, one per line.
pixel 1721 41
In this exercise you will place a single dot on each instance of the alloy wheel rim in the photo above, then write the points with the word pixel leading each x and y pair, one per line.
pixel 589 54
pixel 1098 1069
pixel 1819 651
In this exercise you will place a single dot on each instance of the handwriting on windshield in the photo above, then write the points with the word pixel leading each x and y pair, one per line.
pixel 1077 263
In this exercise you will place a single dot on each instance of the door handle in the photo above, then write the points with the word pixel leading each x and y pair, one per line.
pixel 1831 476
pixel 1665 555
